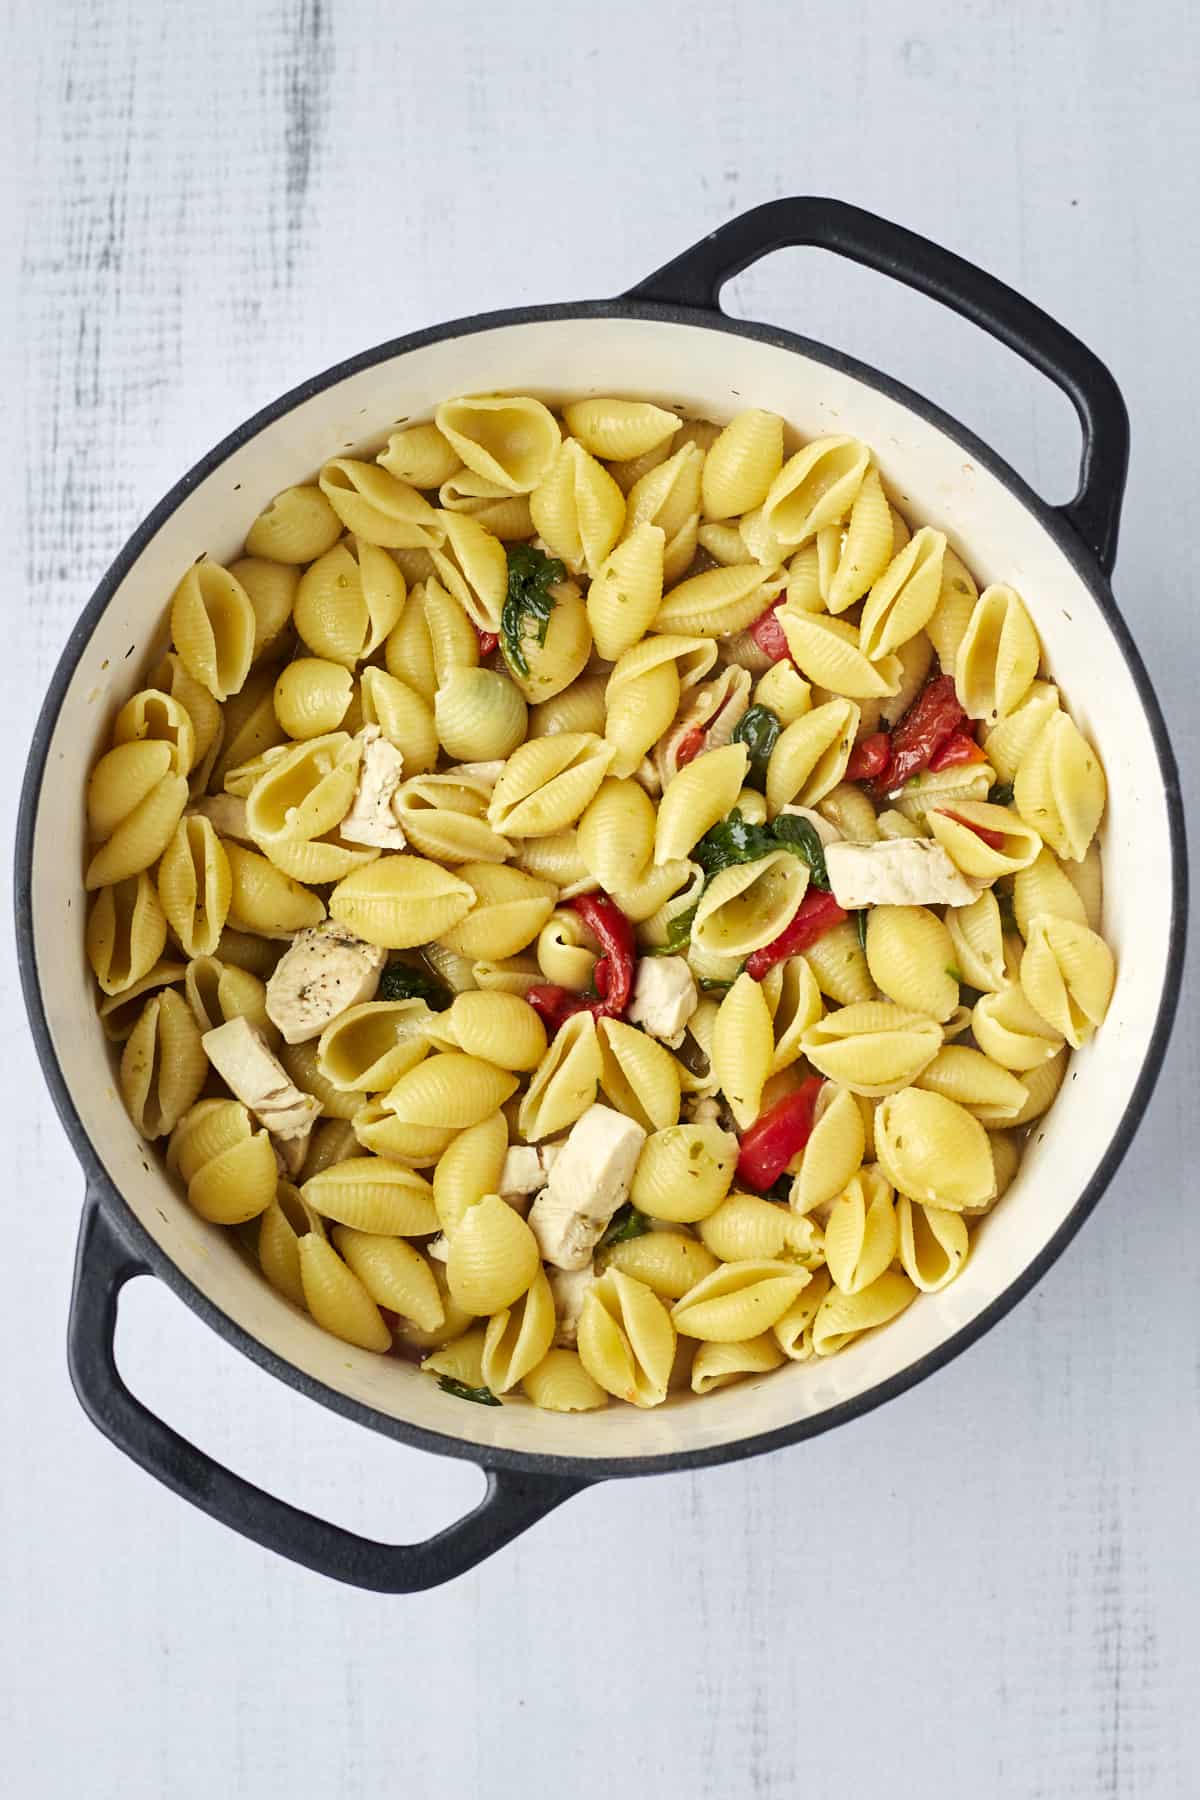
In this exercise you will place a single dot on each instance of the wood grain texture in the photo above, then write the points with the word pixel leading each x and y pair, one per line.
pixel 986 1589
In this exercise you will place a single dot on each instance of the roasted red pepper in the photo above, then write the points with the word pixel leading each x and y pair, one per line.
pixel 993 839
pixel 613 973
pixel 818 913
pixel 767 633
pixel 487 641
pixel 771 1142
pixel 960 747
pixel 933 716
pixel 870 758
pixel 689 746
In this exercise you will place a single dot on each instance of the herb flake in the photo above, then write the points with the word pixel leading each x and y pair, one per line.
pixel 403 981
pixel 627 1222
pixel 860 925
pixel 1001 794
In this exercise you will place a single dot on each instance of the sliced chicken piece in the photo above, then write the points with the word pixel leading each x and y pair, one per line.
pixel 526 1171
pixel 896 872
pixel 380 772
pixel 226 813
pixel 438 1248
pixel 568 1287
pixel 664 998
pixel 290 1154
pixel 589 1180
pixel 326 970
pixel 251 1071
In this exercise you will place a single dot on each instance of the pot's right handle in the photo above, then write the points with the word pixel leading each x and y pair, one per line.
pixel 512 1502
pixel 697 277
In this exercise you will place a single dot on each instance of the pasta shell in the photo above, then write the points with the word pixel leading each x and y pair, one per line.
pixel 493 1257
pixel 378 508
pixel 840 967
pixel 834 1152
pixel 404 716
pixel 579 707
pixel 553 663
pixel 615 839
pixel 828 653
pixel 510 440
pixel 749 904
pixel 903 600
pixel 1045 887
pixel 700 794
pixel 120 1012
pixel 451 1090
pixel 421 456
pixel 938 789
pixel 547 783
pixel 933 1244
pixel 286 1220
pixel 872 1048
pixel 394 1274
pixel 793 1332
pixel 997 657
pixel 1008 742
pixel 669 496
pixel 1060 787
pixel 479 715
pixel 414 1146
pixel 565 1082
pixel 911 958
pixel 669 1263
pixel 271 590
pixel 371 1194
pixel 213 626
pixel 1067 974
pixel 716 1365
pixel 348 601
pixel 195 886
pixel 810 756
pixel 266 901
pixel 229 1167
pixel 560 1383
pixel 816 487
pixel 497 1028
pixel 743 1048
pixel 337 1299
pixel 638 1075
pixel 577 508
pixel 627 1339
pixel 865 550
pixel 443 816
pixel 510 909
pixel 742 464
pixel 1009 1030
pixel 987 1091
pixel 519 1337
pixel 141 834
pixel 931 1149
pixel 472 566
pixel 727 1305
pixel 842 1317
pixel 862 1236
pixel 297 526
pixel 250 729
pixel 627 591
pixel 369 1047
pixel 469 1168
pixel 619 429
pixel 745 1228
pixel 969 852
pixel 400 901
pixel 163 1066
pixel 154 717
pixel 977 938
pixel 684 1172
pixel 126 933
pixel 956 602
pixel 715 604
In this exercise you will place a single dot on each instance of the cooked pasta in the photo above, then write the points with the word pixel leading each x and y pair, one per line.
pixel 526 901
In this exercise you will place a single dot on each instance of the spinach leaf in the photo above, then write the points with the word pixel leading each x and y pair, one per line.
pixel 627 1222
pixel 482 1396
pixel 758 728
pixel 801 835
pixel 713 987
pixel 732 840
pixel 860 925
pixel 780 1189
pixel 1001 794
pixel 401 981
pixel 529 603
pixel 679 934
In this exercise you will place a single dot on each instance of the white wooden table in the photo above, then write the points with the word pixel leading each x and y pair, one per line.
pixel 988 1588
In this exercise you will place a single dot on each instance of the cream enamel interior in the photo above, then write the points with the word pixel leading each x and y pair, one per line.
pixel 710 374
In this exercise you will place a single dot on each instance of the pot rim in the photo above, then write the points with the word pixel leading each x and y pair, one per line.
pixel 486 1456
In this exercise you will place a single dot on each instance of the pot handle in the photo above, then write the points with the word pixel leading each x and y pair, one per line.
pixel 104 1263
pixel 697 276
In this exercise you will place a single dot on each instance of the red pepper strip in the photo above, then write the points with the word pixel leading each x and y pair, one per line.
pixel 767 633
pixel 869 760
pixel 959 747
pixel 609 925
pixel 993 839
pixel 689 746
pixel 772 1141
pixel 929 721
pixel 554 1005
pixel 487 641
pixel 818 913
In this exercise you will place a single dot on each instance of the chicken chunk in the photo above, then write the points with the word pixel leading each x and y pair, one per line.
pixel 251 1071
pixel 589 1180
pixel 370 819
pixel 525 1172
pixel 291 1154
pixel 326 970
pixel 568 1287
pixel 664 998
pixel 897 872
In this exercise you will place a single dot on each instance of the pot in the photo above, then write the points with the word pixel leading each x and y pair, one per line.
pixel 668 339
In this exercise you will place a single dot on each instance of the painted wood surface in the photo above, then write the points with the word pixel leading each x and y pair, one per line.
pixel 988 1588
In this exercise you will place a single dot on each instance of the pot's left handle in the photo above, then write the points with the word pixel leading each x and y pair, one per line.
pixel 104 1263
